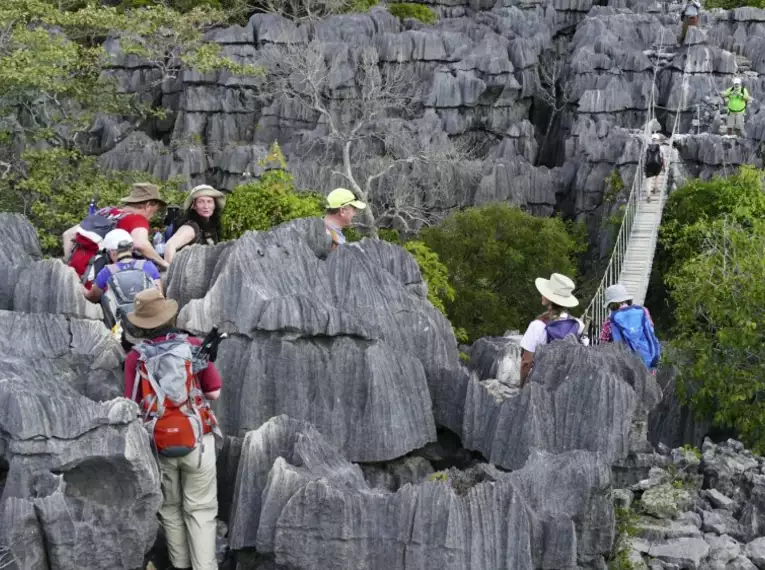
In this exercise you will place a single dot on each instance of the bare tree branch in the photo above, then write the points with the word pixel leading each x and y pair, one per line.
pixel 368 122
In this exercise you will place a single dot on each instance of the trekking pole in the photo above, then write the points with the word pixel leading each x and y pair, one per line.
pixel 208 351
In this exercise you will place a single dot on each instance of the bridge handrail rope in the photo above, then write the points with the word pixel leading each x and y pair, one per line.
pixel 596 312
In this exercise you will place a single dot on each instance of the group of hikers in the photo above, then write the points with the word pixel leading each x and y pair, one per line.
pixel 627 323
pixel 170 374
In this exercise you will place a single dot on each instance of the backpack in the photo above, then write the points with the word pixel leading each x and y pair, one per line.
pixel 93 229
pixel 560 329
pixel 175 412
pixel 653 155
pixel 125 284
pixel 631 325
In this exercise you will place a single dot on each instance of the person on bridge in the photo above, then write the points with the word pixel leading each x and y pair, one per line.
pixel 555 323
pixel 631 324
pixel 654 163
pixel 690 17
pixel 737 98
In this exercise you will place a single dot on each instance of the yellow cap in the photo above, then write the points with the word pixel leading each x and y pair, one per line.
pixel 340 197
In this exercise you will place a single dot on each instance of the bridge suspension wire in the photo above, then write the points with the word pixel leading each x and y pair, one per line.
pixel 596 312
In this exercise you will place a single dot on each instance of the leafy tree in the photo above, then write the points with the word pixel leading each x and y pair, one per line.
pixel 59 187
pixel 493 254
pixel 731 4
pixel 719 299
pixel 421 12
pixel 269 201
pixel 57 76
pixel 685 222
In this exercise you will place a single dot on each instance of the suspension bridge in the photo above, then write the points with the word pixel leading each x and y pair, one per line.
pixel 635 245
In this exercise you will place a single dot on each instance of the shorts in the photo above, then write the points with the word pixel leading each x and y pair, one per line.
pixel 652 170
pixel 736 121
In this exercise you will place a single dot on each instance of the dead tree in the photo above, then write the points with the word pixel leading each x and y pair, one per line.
pixel 547 88
pixel 367 122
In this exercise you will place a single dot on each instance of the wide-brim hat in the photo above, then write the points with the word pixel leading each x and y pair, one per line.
pixel 152 309
pixel 617 293
pixel 143 192
pixel 205 190
pixel 557 289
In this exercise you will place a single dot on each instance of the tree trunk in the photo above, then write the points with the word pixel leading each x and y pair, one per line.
pixel 366 216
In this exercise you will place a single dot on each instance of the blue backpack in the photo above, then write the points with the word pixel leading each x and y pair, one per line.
pixel 631 325
pixel 558 330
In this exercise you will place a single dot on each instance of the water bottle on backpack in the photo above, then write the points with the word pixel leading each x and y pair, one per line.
pixel 159 243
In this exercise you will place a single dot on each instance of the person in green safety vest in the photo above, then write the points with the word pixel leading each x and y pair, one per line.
pixel 736 97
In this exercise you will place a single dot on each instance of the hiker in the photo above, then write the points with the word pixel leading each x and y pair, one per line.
pixel 342 206
pixel 200 222
pixel 554 324
pixel 654 163
pixel 182 432
pixel 690 17
pixel 631 324
pixel 736 97
pixel 82 242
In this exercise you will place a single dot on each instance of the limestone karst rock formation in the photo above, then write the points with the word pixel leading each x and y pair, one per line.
pixel 299 498
pixel 79 487
pixel 550 96
pixel 349 343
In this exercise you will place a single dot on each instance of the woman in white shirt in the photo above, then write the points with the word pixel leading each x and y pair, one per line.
pixel 555 323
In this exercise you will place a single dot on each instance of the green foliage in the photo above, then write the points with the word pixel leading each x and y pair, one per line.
pixel 626 527
pixel 439 477
pixel 493 254
pixel 433 272
pixel 614 185
pixel 719 299
pixel 421 12
pixel 53 66
pixel 687 215
pixel 269 201
pixel 731 4
pixel 60 185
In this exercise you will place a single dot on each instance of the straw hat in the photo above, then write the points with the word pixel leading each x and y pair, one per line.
pixel 617 294
pixel 557 289
pixel 143 192
pixel 152 310
pixel 205 190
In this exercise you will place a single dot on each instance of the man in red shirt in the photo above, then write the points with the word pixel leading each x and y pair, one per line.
pixel 189 487
pixel 142 204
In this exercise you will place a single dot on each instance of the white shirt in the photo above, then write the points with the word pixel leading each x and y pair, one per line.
pixel 536 334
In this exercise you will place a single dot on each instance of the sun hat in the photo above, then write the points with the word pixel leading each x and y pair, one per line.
pixel 205 190
pixel 143 192
pixel 152 309
pixel 617 294
pixel 557 289
pixel 340 197
pixel 117 240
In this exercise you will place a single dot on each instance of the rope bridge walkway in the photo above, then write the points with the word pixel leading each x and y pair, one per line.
pixel 632 257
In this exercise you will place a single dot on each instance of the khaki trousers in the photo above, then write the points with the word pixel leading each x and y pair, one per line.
pixel 189 507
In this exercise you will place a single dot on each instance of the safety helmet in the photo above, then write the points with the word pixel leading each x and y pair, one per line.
pixel 655 137
pixel 736 81
pixel 117 240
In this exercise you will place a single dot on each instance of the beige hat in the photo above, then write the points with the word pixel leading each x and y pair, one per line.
pixel 143 192
pixel 558 289
pixel 205 190
pixel 152 310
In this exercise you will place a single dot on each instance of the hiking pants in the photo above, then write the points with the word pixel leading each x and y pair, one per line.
pixel 189 507
pixel 736 121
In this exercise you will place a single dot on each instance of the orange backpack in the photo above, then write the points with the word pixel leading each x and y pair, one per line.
pixel 175 412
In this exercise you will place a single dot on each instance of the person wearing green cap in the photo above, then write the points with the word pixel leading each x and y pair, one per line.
pixel 342 206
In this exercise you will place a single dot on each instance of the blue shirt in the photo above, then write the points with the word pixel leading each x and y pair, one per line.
pixel 103 276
